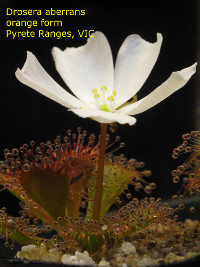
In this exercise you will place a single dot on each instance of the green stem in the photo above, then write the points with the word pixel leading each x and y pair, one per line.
pixel 100 174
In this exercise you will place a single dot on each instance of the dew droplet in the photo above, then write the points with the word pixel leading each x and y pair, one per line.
pixel 26 167
pixel 181 206
pixel 15 152
pixel 122 144
pixel 148 189
pixel 153 186
pixel 129 195
pixel 12 246
pixel 175 179
pixel 6 244
pixel 192 209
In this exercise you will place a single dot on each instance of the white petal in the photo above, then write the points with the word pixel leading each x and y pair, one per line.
pixel 103 116
pixel 173 83
pixel 135 61
pixel 34 75
pixel 86 67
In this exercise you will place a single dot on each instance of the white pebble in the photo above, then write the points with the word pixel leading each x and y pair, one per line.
pixel 10 221
pixel 78 258
pixel 104 227
pixel 103 262
pixel 28 248
pixel 127 248
pixel 155 254
pixel 69 259
pixel 52 250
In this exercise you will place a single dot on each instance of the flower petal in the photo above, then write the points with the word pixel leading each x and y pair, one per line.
pixel 104 117
pixel 34 75
pixel 135 61
pixel 173 83
pixel 86 67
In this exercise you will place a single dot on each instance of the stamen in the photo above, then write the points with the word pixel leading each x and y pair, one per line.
pixel 111 99
pixel 96 96
pixel 104 89
pixel 101 100
pixel 94 90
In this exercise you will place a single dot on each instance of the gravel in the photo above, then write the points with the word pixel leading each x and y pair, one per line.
pixel 168 244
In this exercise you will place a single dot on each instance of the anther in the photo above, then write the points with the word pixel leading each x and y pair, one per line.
pixel 110 98
pixel 104 88
pixel 96 95
pixel 94 90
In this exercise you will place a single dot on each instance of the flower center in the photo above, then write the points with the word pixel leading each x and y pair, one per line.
pixel 103 101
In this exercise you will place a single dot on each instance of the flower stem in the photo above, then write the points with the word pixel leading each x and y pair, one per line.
pixel 100 174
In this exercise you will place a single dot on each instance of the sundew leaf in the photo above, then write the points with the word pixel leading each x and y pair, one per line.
pixel 4 179
pixel 54 192
pixel 52 177
pixel 19 237
pixel 91 242
pixel 48 189
pixel 117 176
pixel 19 193
pixel 18 229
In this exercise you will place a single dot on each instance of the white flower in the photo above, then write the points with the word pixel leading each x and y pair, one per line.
pixel 100 89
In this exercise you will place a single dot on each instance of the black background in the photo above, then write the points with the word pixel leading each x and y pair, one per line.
pixel 26 115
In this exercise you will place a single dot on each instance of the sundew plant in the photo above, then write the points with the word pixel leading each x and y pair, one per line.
pixel 67 186
pixel 189 171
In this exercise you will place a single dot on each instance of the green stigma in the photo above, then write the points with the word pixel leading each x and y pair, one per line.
pixel 104 107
